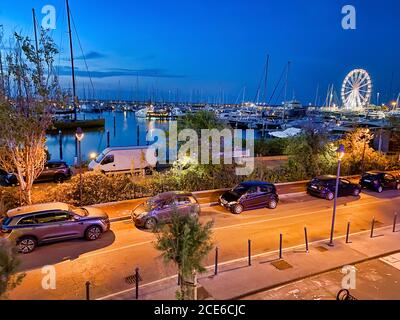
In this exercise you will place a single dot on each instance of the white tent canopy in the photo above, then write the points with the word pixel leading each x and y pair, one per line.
pixel 291 132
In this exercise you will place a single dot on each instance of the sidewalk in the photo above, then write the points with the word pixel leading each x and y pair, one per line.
pixel 236 280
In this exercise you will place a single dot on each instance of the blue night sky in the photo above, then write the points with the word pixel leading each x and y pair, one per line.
pixel 211 49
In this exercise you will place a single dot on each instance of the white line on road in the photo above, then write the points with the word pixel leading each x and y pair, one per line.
pixel 237 260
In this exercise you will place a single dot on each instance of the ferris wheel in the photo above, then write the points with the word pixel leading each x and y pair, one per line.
pixel 356 90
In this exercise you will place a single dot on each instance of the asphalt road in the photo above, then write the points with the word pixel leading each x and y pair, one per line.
pixel 107 262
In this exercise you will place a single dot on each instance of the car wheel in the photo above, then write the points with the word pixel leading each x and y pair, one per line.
pixel 150 224
pixel 59 178
pixel 356 192
pixel 26 245
pixel 237 209
pixel 93 233
pixel 148 172
pixel 272 204
pixel 380 189
pixel 330 196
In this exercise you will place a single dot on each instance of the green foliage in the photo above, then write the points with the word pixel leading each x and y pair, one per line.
pixel 185 242
pixel 9 263
pixel 270 147
pixel 310 155
pixel 200 120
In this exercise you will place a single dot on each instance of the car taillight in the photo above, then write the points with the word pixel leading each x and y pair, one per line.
pixel 5 231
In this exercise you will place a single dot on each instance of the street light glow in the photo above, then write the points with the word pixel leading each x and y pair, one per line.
pixel 341 152
pixel 79 134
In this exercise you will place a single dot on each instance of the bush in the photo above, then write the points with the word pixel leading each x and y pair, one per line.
pixel 9 199
pixel 270 147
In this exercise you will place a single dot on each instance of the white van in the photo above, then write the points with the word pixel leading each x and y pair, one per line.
pixel 125 160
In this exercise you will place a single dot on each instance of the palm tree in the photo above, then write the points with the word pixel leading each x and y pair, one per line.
pixel 185 242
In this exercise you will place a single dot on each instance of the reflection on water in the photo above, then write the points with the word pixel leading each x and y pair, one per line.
pixel 123 134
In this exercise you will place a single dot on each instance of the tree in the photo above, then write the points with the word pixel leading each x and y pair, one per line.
pixel 185 242
pixel 200 120
pixel 309 154
pixel 26 109
pixel 9 276
pixel 360 156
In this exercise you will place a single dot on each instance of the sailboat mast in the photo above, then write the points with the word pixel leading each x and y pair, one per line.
pixel 266 79
pixel 72 61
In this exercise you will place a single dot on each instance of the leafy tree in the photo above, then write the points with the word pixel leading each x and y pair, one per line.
pixel 310 154
pixel 26 109
pixel 200 120
pixel 360 156
pixel 186 243
pixel 9 276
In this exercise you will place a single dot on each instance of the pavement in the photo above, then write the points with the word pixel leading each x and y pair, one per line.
pixel 107 262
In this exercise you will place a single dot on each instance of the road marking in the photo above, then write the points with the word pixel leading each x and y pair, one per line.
pixel 224 228
pixel 238 260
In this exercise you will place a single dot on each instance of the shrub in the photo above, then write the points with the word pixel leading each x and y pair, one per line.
pixel 9 199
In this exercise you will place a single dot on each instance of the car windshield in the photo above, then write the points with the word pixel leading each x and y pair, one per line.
pixel 317 182
pixel 240 189
pixel 100 158
pixel 78 211
pixel 153 203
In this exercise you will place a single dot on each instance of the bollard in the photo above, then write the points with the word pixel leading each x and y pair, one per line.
pixel 87 290
pixel 348 233
pixel 179 279
pixel 108 139
pixel 216 261
pixel 60 144
pixel 249 251
pixel 395 222
pixel 280 247
pixel 372 227
pixel 137 278
pixel 306 238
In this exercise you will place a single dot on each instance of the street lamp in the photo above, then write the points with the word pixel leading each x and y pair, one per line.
pixel 364 136
pixel 79 137
pixel 340 154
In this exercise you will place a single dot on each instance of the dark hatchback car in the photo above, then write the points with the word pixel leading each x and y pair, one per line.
pixel 324 187
pixel 250 195
pixel 57 171
pixel 378 181
pixel 160 209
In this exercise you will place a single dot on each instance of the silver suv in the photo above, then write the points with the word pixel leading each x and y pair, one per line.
pixel 38 224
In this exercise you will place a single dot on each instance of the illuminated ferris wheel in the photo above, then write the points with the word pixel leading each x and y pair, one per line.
pixel 356 90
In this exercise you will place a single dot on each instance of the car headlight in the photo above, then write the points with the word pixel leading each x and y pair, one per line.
pixel 141 215
pixel 232 203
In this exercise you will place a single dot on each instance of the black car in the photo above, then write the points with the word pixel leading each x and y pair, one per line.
pixel 378 181
pixel 250 195
pixel 324 187
pixel 57 171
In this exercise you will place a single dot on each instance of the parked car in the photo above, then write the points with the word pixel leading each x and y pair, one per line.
pixel 250 195
pixel 31 226
pixel 324 187
pixel 124 160
pixel 57 171
pixel 160 209
pixel 378 181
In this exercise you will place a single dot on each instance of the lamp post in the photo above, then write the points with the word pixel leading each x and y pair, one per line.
pixel 340 154
pixel 79 137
